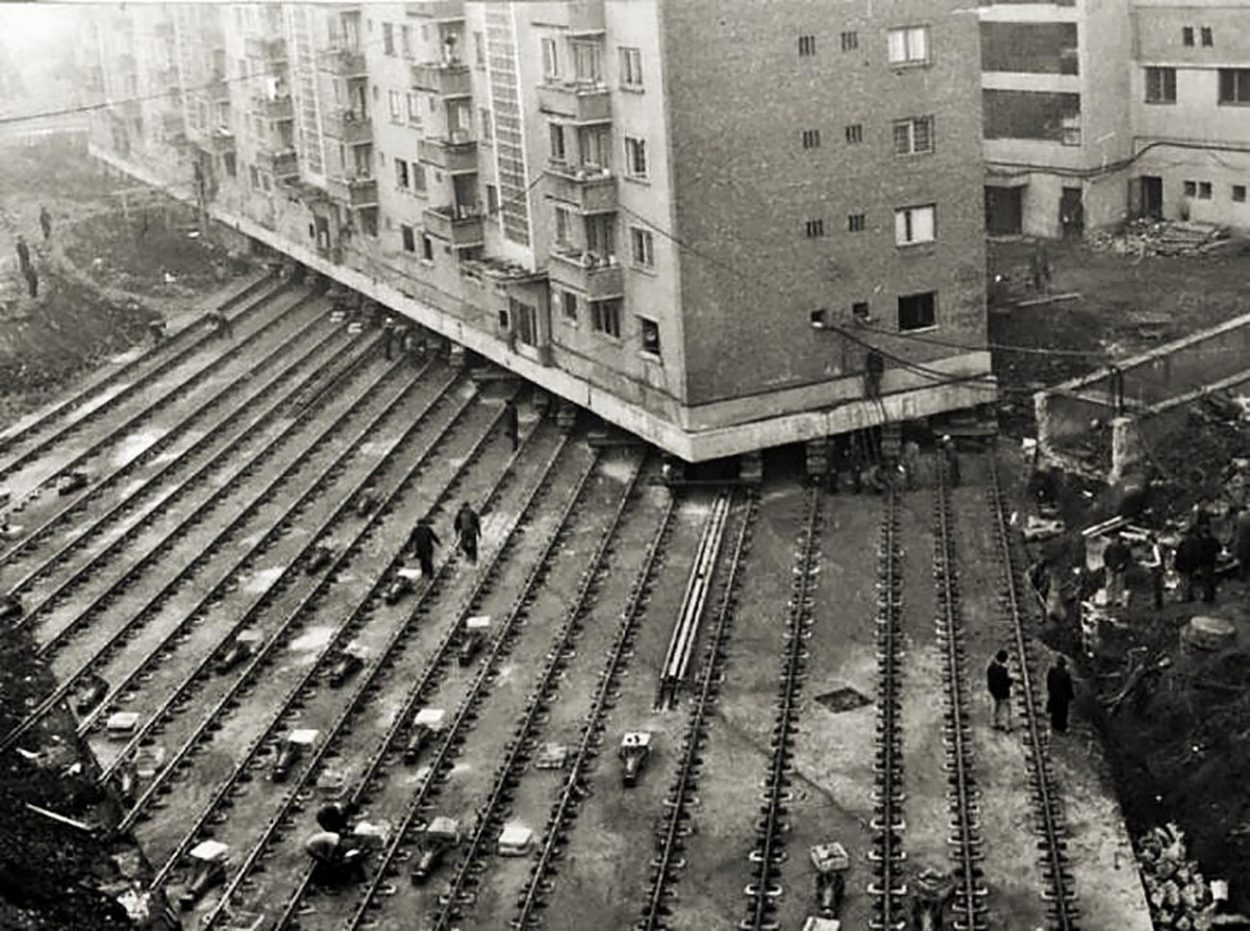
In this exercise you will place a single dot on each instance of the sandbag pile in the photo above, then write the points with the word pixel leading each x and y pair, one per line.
pixel 1178 893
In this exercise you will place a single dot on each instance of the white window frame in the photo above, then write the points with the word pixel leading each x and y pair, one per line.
pixel 916 225
pixel 393 102
pixel 599 320
pixel 908 45
pixel 551 59
pixel 631 67
pixel 910 125
pixel 642 247
pixel 636 153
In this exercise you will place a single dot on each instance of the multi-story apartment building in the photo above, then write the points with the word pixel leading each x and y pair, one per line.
pixel 721 226
pixel 1102 110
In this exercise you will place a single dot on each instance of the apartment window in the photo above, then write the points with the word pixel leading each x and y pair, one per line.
pixel 369 223
pixel 814 229
pixel 587 63
pixel 230 164
pixel 650 331
pixel 254 175
pixel 408 236
pixel 913 225
pixel 551 60
pixel 601 237
pixel 605 317
pixel 1239 193
pixel 558 151
pixel 1160 85
pixel 526 317
pixel 811 138
pixel 818 317
pixel 1204 190
pixel 564 224
pixel 855 133
pixel 1235 85
pixel 479 50
pixel 643 243
pixel 414 109
pixel 860 312
pixel 855 222
pixel 635 157
pixel 1071 129
pixel 427 247
pixel 807 46
pixel 492 200
pixel 913 136
pixel 392 98
pixel 917 311
pixel 850 41
pixel 568 305
pixel 909 46
pixel 1208 39
pixel 1187 35
pixel 418 177
pixel 401 173
pixel 1191 188
pixel 631 68
pixel 488 131
pixel 388 38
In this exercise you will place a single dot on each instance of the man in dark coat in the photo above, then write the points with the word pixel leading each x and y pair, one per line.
pixel 1059 694
pixel 469 530
pixel 45 221
pixel 511 427
pixel 423 541
pixel 23 254
pixel 998 681
pixel 952 461
pixel 388 337
pixel 1208 558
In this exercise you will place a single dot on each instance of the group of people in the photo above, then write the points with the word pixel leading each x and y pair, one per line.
pixel 1060 692
pixel 858 458
pixel 423 539
pixel 25 265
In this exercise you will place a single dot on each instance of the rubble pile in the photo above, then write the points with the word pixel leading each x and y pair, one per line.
pixel 1164 237
pixel 1178 892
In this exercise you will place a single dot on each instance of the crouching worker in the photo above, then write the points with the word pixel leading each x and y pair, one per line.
pixel 336 858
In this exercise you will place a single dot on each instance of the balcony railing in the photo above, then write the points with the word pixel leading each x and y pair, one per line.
pixel 353 191
pixel 576 102
pixel 345 62
pixel 460 226
pixel 597 277
pixel 281 163
pixel 452 157
pixel 441 10
pixel 218 141
pixel 349 127
pixel 445 80
pixel 274 108
pixel 589 190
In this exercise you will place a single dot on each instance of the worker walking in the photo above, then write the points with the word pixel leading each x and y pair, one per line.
pixel 388 337
pixel 1059 694
pixel 998 681
pixel 1116 559
pixel 951 456
pixel 45 221
pixel 511 425
pixel 423 541
pixel 23 254
pixel 911 464
pixel 469 530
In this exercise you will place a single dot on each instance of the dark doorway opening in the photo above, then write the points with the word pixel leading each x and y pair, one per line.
pixel 1004 210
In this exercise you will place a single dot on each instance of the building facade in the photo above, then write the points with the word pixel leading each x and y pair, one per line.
pixel 1098 111
pixel 720 226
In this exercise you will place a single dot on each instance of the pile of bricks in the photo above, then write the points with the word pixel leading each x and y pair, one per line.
pixel 1164 237
pixel 1178 893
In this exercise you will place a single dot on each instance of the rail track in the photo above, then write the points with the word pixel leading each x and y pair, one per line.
pixel 888 887
pixel 119 375
pixel 139 618
pixel 377 760
pixel 965 842
pixel 1049 822
pixel 135 389
pixel 769 850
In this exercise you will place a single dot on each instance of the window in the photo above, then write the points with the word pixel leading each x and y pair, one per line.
pixel 551 60
pixel 1204 190
pixel 814 229
pixel 564 223
pixel 1235 85
pixel 914 225
pixel 405 40
pixel 913 136
pixel 587 64
pixel 568 305
pixel 1208 39
pixel 601 237
pixel 855 223
pixel 408 237
pixel 909 46
pixel 635 157
pixel 1187 35
pixel 401 173
pixel 369 223
pixel 526 317
pixel 556 133
pixel 254 175
pixel 811 138
pixel 1191 188
pixel 488 131
pixel 1160 85
pixel 1071 129
pixel 229 162
pixel 414 109
pixel 818 318
pixel 850 41
pixel 492 200
pixel 643 243
pixel 807 46
pixel 855 133
pixel 388 38
pixel 605 317
pixel 479 50
pixel 393 99
pixel 418 177
pixel 631 68
pixel 1239 193
pixel 917 311
pixel 427 247
pixel 650 336
pixel 860 313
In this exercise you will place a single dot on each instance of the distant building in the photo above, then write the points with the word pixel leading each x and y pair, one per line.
pixel 696 219
pixel 1097 111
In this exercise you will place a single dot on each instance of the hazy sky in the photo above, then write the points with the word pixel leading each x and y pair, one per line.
pixel 27 27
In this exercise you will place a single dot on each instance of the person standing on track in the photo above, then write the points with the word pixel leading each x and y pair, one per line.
pixel 998 681
pixel 469 530
pixel 423 541
pixel 45 221
pixel 388 337
pixel 511 425
pixel 952 460
pixel 911 464
pixel 1059 695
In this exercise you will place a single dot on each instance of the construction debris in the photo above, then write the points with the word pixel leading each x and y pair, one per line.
pixel 1164 237
pixel 1177 891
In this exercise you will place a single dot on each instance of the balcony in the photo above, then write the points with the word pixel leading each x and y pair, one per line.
pixel 281 163
pixel 274 108
pixel 344 62
pixel 585 273
pixel 353 191
pixel 440 10
pixel 588 190
pixel 576 103
pixel 219 141
pixel 348 127
pixel 264 48
pixel 445 80
pixel 459 226
pixel 452 157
